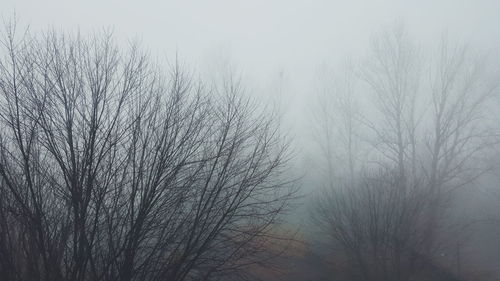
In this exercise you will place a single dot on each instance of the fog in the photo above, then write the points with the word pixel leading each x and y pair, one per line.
pixel 266 39
pixel 378 121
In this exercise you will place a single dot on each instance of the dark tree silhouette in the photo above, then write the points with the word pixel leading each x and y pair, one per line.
pixel 113 169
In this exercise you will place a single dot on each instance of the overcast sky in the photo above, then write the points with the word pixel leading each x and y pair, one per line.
pixel 266 37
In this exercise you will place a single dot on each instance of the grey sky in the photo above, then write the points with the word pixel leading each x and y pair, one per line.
pixel 262 35
pixel 265 37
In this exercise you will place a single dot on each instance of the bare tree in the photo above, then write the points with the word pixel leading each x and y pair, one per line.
pixel 338 120
pixel 438 116
pixel 376 225
pixel 111 169
pixel 392 74
pixel 431 131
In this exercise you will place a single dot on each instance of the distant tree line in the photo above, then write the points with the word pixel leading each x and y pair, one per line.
pixel 400 131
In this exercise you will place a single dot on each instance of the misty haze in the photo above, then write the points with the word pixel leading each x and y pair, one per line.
pixel 250 140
